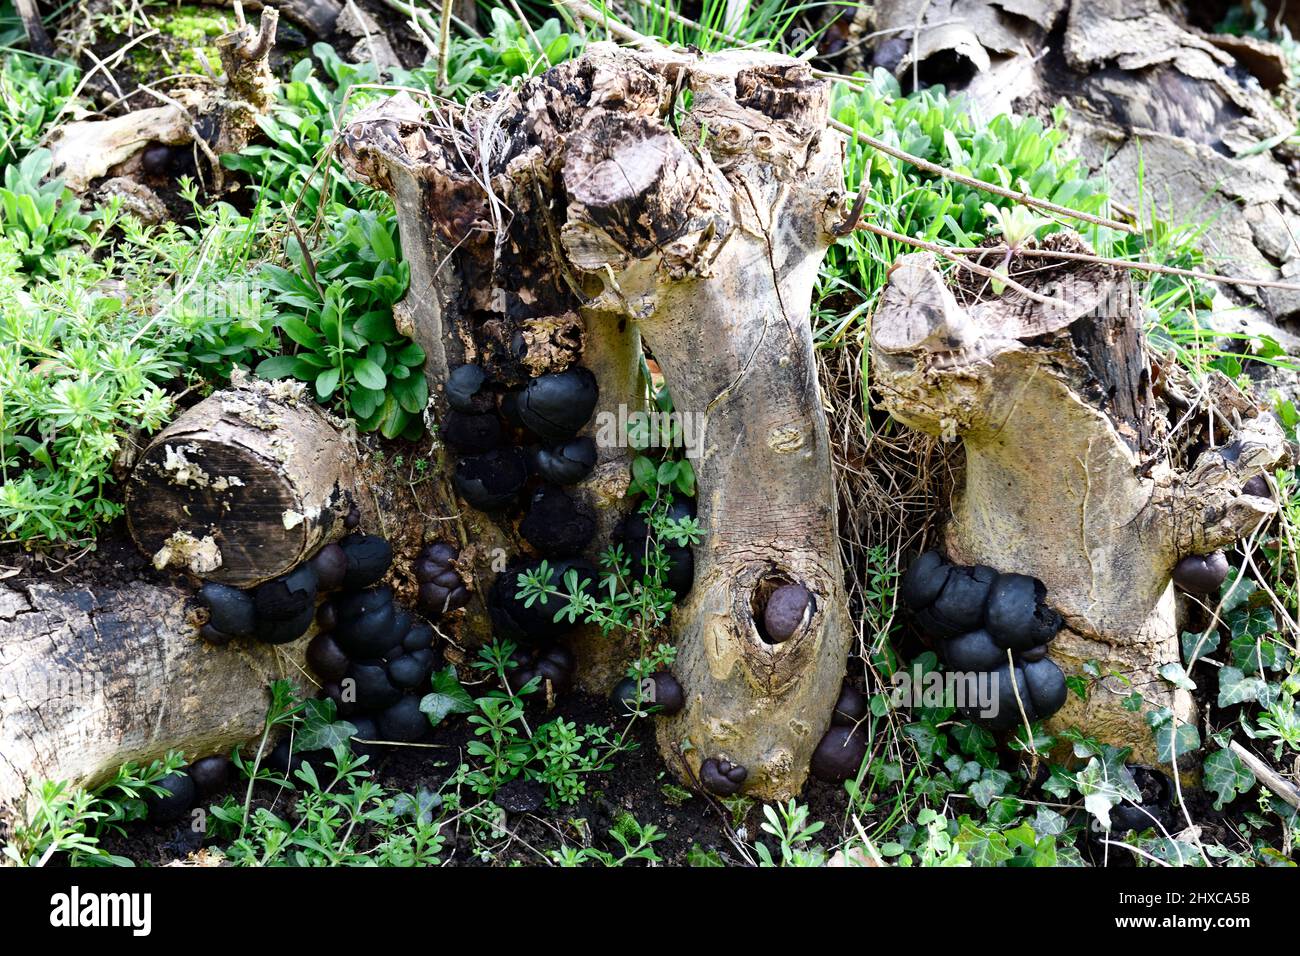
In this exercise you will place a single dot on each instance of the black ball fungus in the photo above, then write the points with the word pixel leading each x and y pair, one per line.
pixel 326 659
pixel 491 481
pixel 850 708
pixel 213 636
pixel 514 620
pixel 788 608
pixel 369 557
pixel 1201 573
pixel 410 670
pixel 327 616
pixel 722 777
pixel 374 691
pixel 418 638
pixel 1257 486
pixel 924 580
pixel 1047 689
pixel 567 463
pixel 1016 615
pixel 555 524
pixel 404 722
pixel 839 754
pixel 230 610
pixel 331 566
pixel 466 391
pixel 177 799
pixel 286 597
pixel 211 775
pixel 272 631
pixel 157 159
pixel 367 624
pixel 556 405
pixel 1008 705
pixel 367 729
pixel 975 651
pixel 959 608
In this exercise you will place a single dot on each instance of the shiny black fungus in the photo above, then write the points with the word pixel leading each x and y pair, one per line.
pixel 286 597
pixel 661 691
pixel 367 729
pixel 514 620
pixel 1016 614
pixel 368 624
pixel 466 391
pixel 404 722
pixel 1201 573
pixel 924 580
pixel 1047 688
pixel 975 651
pixel 327 615
pixel 1033 654
pixel 788 608
pixel 441 588
pixel 838 754
pixel 959 608
pixel 418 638
pixel 409 671
pixel 353 518
pixel 287 762
pixel 1006 713
pixel 556 525
pixel 1257 486
pixel 491 481
pixel 567 463
pixel 214 637
pixel 230 610
pixel 374 691
pixel 177 800
pixel 471 434
pixel 211 775
pixel 326 659
pixel 722 777
pixel 850 707
pixel 369 557
pixel 157 159
pixel 555 406
pixel 1153 813
pixel 331 566
pixel 272 631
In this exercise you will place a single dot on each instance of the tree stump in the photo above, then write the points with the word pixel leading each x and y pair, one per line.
pixel 1068 476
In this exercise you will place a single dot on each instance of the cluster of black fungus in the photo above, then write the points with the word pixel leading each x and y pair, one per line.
pixel 281 610
pixel 840 752
pixel 634 535
pixel 978 616
pixel 201 780
pixel 722 777
pixel 374 658
pixel 553 665
pixel 1201 573
pixel 442 589
pixel 660 691
pixel 491 472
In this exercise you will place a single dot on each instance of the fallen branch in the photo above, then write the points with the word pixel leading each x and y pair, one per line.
pixel 1267 775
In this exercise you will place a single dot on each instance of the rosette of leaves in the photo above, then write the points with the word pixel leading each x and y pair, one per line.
pixel 335 310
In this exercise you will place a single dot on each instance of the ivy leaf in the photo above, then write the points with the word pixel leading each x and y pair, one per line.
pixel 1236 688
pixel 1174 741
pixel 993 783
pixel 1227 777
pixel 1192 641
pixel 1174 673
pixel 448 697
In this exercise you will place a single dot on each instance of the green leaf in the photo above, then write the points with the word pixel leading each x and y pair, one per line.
pixel 1236 688
pixel 643 473
pixel 448 697
pixel 412 393
pixel 369 375
pixel 326 382
pixel 277 366
pixel 1174 673
pixel 667 472
pixel 1227 777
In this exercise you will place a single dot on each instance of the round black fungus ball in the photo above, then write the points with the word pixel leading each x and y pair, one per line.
pixel 214 637
pixel 536 624
pixel 434 560
pixel 287 762
pixel 555 524
pixel 924 580
pixel 465 391
pixel 353 518
pixel 410 670
pixel 331 567
pixel 367 626
pixel 1033 654
pixel 1201 574
pixel 1047 687
pixel 556 664
pixel 471 434
pixel 230 610
pixel 555 406
pixel 286 597
pixel 157 159
pixel 1016 614
pixel 850 708
pixel 272 631
pixel 177 801
pixel 788 607
pixel 959 608
pixel 326 659
pixel 374 690
pixel 367 729
pixel 368 559
pixel 670 698
pixel 722 777
pixel 975 651
pixel 1007 713
pixel 491 481
pixel 404 722
pixel 839 754
pixel 418 638
pixel 1257 486
pixel 327 615
pixel 567 463
pixel 211 775
pixel 625 697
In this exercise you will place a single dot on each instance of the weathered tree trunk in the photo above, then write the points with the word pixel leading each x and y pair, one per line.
pixel 591 190
pixel 1067 477
pixel 244 486
pixel 90 679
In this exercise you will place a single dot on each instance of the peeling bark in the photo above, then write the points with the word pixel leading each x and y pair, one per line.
pixel 1067 478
